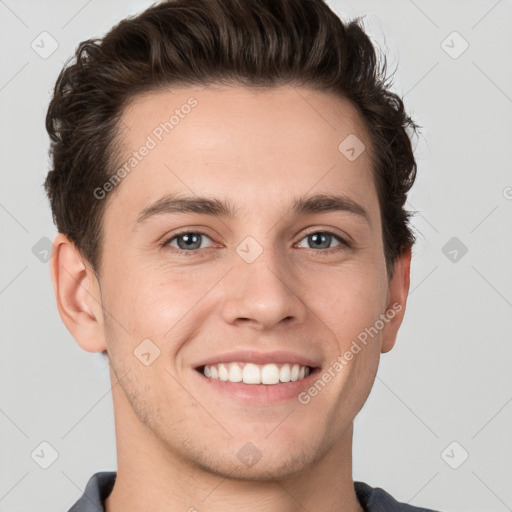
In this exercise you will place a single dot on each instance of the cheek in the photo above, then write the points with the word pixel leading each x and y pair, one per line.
pixel 348 298
pixel 351 308
pixel 155 303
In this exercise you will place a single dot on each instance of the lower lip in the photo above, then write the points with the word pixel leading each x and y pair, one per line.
pixel 260 393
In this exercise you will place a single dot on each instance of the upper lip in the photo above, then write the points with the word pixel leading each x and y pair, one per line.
pixel 252 356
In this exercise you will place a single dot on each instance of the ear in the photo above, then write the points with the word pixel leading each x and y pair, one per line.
pixel 78 295
pixel 397 298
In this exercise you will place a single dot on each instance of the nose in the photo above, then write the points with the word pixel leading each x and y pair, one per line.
pixel 263 292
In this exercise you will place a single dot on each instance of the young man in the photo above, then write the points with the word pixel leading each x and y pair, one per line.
pixel 228 183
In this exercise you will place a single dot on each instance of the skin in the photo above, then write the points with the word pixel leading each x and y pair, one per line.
pixel 177 438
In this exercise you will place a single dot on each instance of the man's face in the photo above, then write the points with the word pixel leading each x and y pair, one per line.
pixel 268 285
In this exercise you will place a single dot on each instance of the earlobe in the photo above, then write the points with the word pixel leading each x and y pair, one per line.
pixel 398 291
pixel 77 294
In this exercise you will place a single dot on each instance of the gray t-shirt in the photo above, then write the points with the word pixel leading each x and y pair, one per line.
pixel 100 485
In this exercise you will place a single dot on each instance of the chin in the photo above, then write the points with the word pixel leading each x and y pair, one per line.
pixel 248 463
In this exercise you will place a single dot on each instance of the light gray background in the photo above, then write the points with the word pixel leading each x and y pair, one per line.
pixel 449 376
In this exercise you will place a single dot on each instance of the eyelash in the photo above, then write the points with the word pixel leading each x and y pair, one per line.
pixel 194 252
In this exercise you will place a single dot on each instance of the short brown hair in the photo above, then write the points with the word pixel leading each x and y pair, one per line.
pixel 256 43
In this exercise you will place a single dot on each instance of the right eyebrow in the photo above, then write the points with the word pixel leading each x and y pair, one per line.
pixel 188 204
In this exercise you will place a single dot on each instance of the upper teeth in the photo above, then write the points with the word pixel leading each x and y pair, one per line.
pixel 250 373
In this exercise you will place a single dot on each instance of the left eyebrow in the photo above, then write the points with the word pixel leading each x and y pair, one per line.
pixel 319 203
pixel 323 203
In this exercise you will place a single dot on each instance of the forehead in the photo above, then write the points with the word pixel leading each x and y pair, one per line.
pixel 274 144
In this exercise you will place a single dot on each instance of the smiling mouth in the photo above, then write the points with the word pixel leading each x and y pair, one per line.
pixel 250 373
